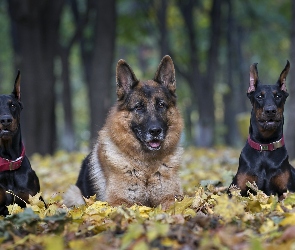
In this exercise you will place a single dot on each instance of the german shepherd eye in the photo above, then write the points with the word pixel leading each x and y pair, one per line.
pixel 161 104
pixel 139 107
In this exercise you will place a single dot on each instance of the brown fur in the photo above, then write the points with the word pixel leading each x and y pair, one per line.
pixel 128 168
pixel 129 173
pixel 281 180
pixel 242 180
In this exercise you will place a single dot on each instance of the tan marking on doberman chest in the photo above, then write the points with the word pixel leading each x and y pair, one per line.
pixel 242 179
pixel 281 180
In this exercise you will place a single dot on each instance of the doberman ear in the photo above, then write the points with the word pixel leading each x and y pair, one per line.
pixel 125 78
pixel 16 89
pixel 254 79
pixel 282 79
pixel 166 73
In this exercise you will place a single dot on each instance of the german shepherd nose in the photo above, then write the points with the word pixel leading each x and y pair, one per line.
pixel 6 120
pixel 155 131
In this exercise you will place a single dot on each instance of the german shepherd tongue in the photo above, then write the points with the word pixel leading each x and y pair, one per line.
pixel 154 143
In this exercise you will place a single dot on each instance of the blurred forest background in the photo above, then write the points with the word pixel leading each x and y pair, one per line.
pixel 67 52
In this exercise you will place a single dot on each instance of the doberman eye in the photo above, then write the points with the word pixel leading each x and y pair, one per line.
pixel 259 96
pixel 13 107
pixel 277 96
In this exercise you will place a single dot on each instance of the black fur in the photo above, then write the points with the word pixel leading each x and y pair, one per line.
pixel 22 181
pixel 270 170
pixel 86 189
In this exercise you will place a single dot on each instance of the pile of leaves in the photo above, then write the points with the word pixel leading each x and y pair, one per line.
pixel 204 218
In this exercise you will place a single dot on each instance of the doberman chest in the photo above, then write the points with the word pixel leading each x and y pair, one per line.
pixel 11 188
pixel 271 174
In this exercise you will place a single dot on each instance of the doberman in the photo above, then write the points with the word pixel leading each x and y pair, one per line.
pixel 264 159
pixel 17 179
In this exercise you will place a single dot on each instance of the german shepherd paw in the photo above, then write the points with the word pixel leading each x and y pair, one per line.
pixel 73 197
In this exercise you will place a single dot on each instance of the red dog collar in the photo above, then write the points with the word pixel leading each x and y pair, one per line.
pixel 6 164
pixel 266 147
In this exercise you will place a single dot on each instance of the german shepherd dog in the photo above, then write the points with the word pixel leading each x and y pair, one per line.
pixel 17 179
pixel 264 159
pixel 136 157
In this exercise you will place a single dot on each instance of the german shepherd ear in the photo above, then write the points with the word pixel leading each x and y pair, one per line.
pixel 165 74
pixel 254 79
pixel 282 79
pixel 16 89
pixel 125 78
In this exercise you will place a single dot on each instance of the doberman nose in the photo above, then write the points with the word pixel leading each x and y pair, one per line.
pixel 6 120
pixel 270 110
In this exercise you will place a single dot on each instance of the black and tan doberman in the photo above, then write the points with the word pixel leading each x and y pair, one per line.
pixel 17 179
pixel 264 159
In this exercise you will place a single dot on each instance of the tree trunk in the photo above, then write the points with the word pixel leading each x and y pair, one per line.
pixel 68 135
pixel 35 33
pixel 202 85
pixel 290 131
pixel 98 61
pixel 162 23
pixel 231 102
pixel 243 70
pixel 206 91
pixel 193 75
pixel 64 51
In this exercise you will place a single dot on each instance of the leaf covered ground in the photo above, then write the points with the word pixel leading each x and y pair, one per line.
pixel 205 218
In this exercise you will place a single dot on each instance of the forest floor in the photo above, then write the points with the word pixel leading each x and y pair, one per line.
pixel 205 218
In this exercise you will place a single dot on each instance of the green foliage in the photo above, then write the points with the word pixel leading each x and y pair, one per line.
pixel 267 24
pixel 7 74
pixel 264 28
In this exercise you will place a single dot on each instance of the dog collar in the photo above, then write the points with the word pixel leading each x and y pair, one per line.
pixel 266 147
pixel 10 165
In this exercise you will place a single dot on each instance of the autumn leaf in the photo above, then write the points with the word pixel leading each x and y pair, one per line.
pixel 268 226
pixel 142 211
pixel 76 213
pixel 181 207
pixel 289 201
pixel 228 208
pixel 134 232
pixel 200 198
pixel 14 209
pixel 155 230
pixel 289 219
pixel 53 242
pixel 204 218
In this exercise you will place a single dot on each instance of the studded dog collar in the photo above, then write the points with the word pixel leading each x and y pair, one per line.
pixel 266 147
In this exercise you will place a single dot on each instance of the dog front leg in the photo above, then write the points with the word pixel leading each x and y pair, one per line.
pixel 3 209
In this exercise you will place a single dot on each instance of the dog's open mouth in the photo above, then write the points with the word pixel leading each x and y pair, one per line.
pixel 154 144
pixel 270 121
pixel 269 124
pixel 4 133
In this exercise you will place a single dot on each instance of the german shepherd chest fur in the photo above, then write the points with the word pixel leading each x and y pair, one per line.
pixel 137 157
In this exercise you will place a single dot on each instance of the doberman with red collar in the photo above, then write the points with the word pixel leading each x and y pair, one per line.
pixel 264 159
pixel 17 179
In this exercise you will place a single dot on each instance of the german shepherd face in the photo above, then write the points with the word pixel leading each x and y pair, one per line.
pixel 148 106
pixel 268 101
pixel 10 108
